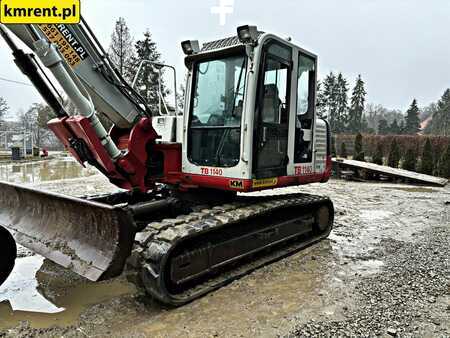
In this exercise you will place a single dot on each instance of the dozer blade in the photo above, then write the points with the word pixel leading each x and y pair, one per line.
pixel 89 238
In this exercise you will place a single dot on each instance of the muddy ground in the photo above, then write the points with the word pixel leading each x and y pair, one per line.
pixel 384 271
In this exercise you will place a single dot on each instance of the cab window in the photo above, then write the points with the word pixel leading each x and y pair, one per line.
pixel 306 88
pixel 306 80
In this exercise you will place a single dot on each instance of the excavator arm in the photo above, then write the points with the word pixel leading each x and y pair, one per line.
pixel 88 67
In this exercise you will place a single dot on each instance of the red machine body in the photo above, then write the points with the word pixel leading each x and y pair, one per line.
pixel 132 170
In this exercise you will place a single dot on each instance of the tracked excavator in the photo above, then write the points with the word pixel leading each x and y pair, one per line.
pixel 188 217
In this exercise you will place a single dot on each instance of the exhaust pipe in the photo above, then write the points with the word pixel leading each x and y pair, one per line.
pixel 8 254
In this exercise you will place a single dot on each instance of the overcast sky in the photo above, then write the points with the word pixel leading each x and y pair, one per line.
pixel 400 47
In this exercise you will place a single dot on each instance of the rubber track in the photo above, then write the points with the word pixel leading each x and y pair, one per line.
pixel 154 244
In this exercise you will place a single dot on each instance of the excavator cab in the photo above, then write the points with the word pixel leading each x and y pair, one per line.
pixel 250 118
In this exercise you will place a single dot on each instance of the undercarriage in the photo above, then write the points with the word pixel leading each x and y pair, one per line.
pixel 178 260
pixel 205 245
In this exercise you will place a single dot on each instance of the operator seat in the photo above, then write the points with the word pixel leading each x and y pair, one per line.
pixel 271 105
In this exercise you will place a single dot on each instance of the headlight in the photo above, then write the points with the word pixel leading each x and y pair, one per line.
pixel 247 34
pixel 190 47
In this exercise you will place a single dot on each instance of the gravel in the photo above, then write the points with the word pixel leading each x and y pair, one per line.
pixel 409 298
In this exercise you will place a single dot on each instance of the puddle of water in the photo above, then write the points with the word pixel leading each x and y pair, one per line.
pixel 21 301
pixel 21 288
pixel 371 215
pixel 44 171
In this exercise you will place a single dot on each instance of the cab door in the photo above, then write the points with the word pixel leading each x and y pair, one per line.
pixel 272 111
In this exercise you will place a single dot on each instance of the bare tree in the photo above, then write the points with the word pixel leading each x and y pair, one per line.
pixel 35 120
pixel 374 113
pixel 121 49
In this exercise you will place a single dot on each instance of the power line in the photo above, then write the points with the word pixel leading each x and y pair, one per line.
pixel 14 81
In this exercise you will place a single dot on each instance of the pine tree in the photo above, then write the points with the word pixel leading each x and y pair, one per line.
pixel 344 150
pixel 394 128
pixel 321 105
pixel 444 164
pixel 358 153
pixel 383 127
pixel 121 49
pixel 440 123
pixel 426 163
pixel 443 107
pixel 402 127
pixel 412 119
pixel 410 160
pixel 342 103
pixel 147 82
pixel 329 97
pixel 378 157
pixel 357 106
pixel 394 155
